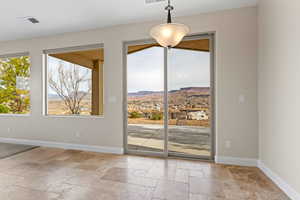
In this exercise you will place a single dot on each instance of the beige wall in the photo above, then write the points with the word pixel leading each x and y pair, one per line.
pixel 236 60
pixel 279 98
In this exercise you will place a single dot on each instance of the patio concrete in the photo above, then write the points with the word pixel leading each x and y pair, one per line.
pixel 184 139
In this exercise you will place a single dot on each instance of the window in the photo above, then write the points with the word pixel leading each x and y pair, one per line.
pixel 75 81
pixel 14 84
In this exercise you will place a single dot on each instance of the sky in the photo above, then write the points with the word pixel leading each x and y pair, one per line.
pixel 145 69
pixel 53 65
pixel 186 68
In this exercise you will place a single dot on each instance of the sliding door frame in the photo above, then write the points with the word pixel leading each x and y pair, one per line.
pixel 165 153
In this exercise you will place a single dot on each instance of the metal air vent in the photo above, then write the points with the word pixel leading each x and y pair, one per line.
pixel 153 1
pixel 33 20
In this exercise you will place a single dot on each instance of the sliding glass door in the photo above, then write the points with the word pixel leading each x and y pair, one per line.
pixel 145 98
pixel 168 100
pixel 189 107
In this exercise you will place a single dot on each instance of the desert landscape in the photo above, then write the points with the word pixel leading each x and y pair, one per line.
pixel 56 106
pixel 189 120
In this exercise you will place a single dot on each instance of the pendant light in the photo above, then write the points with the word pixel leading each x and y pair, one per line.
pixel 169 34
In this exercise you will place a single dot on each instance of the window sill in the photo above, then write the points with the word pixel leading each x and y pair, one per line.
pixel 15 115
pixel 75 116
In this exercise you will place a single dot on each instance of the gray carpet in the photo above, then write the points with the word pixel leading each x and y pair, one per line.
pixel 7 150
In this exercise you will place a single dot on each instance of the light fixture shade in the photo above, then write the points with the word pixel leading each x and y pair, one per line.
pixel 170 34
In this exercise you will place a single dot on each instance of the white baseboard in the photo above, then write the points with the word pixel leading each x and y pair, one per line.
pixel 293 194
pixel 236 161
pixel 92 148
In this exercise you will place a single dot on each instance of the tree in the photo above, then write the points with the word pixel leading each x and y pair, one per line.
pixel 67 84
pixel 16 100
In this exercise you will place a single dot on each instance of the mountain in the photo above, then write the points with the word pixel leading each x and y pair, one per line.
pixel 144 93
pixel 198 90
pixel 53 96
pixel 193 89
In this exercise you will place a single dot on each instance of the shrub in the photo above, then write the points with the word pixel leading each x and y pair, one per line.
pixel 156 116
pixel 4 109
pixel 135 115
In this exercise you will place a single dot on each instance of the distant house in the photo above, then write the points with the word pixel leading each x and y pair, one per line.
pixel 157 107
pixel 197 115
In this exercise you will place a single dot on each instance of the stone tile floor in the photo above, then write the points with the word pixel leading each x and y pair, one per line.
pixel 56 174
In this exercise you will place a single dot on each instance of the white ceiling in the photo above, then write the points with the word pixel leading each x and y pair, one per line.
pixel 59 16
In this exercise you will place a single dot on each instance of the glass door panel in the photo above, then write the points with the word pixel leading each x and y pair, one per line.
pixel 189 99
pixel 178 79
pixel 145 98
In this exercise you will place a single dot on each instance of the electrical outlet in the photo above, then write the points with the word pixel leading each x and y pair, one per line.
pixel 242 99
pixel 8 130
pixel 228 144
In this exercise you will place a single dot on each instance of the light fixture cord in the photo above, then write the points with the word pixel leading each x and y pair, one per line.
pixel 169 8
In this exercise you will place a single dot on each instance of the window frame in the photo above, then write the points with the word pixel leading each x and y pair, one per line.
pixel 46 52
pixel 16 55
